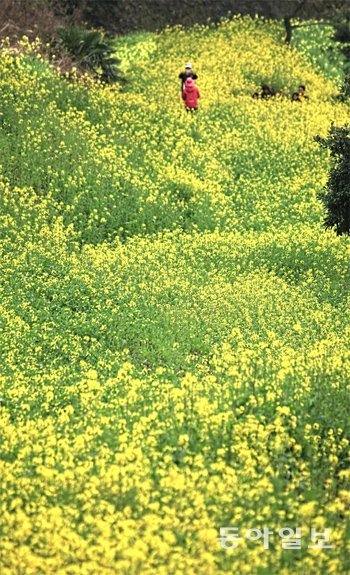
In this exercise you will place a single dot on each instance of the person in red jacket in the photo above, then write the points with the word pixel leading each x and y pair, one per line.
pixel 190 95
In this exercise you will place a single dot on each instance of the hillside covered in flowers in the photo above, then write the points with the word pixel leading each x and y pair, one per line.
pixel 175 325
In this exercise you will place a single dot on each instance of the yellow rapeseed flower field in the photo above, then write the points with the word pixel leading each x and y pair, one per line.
pixel 175 334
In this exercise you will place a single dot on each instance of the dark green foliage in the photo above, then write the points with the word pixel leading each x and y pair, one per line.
pixel 336 196
pixel 342 32
pixel 342 27
pixel 92 52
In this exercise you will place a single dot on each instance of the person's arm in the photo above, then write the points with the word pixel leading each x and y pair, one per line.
pixel 194 76
pixel 181 75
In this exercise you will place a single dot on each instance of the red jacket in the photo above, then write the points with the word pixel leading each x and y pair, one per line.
pixel 190 94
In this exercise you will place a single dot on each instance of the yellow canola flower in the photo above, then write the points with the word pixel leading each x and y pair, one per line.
pixel 175 319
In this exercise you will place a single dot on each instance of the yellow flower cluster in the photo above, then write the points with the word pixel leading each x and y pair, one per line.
pixel 175 331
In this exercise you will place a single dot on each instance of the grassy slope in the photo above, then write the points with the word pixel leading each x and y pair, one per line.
pixel 175 320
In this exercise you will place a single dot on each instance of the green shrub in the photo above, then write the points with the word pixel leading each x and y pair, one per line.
pixel 92 52
pixel 336 196
pixel 342 33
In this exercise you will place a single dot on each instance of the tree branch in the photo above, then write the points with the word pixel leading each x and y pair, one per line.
pixel 289 30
